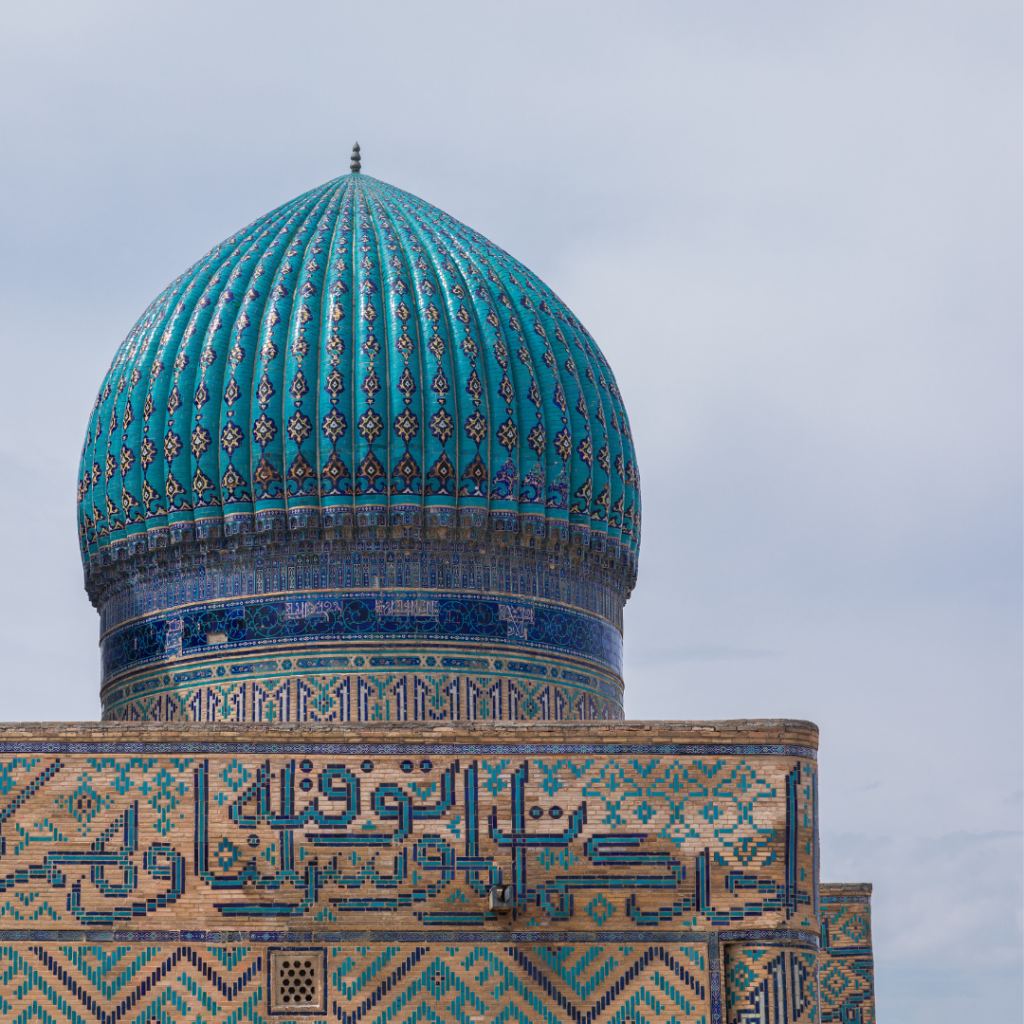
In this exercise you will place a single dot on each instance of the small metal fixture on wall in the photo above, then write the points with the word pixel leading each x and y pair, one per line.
pixel 500 898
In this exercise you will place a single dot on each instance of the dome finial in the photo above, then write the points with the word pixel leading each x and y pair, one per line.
pixel 354 164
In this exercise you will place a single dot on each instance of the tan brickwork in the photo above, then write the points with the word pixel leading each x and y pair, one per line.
pixel 628 851
pixel 337 832
pixel 742 730
pixel 847 962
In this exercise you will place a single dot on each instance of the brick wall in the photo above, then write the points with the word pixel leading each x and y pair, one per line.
pixel 847 964
pixel 153 870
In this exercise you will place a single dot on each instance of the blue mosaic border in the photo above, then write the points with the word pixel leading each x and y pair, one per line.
pixel 455 749
pixel 770 936
pixel 330 619
pixel 832 900
pixel 762 936
pixel 715 978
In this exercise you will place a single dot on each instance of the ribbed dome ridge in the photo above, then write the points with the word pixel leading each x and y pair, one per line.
pixel 357 360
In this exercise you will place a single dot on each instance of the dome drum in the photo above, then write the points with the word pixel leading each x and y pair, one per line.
pixel 168 549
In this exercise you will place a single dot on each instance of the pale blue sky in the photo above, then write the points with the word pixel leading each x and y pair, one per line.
pixel 794 229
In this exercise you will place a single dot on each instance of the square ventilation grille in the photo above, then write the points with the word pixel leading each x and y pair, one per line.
pixel 298 981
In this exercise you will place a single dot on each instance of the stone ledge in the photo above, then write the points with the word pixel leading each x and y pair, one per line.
pixel 755 731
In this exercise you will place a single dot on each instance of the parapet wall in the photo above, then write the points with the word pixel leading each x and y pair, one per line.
pixel 847 964
pixel 652 871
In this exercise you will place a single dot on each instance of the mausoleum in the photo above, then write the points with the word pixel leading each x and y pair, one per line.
pixel 359 510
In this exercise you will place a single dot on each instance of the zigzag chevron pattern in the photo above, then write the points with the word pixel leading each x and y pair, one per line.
pixel 110 984
pixel 368 984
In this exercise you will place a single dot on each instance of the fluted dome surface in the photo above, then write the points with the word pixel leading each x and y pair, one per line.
pixel 358 464
pixel 356 358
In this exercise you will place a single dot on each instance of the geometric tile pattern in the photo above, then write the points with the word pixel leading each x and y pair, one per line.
pixel 366 696
pixel 847 968
pixel 367 983
pixel 110 983
pixel 771 983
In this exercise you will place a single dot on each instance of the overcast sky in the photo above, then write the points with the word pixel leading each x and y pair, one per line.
pixel 795 231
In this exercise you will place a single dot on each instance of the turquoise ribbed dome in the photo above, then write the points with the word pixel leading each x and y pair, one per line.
pixel 356 360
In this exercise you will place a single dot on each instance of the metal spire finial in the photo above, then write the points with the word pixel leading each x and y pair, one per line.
pixel 354 164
